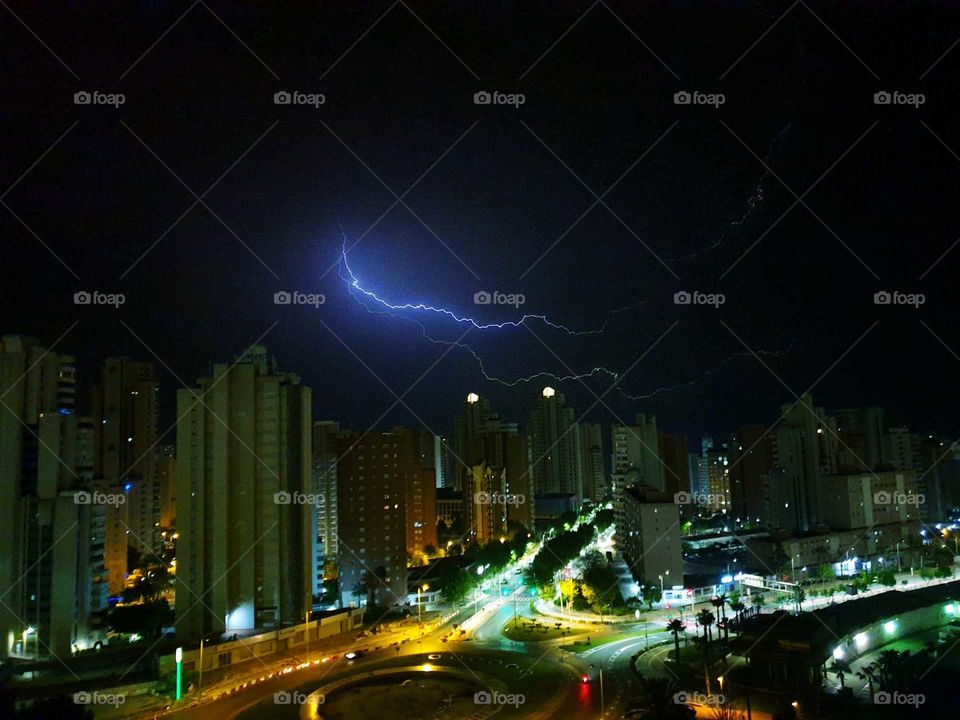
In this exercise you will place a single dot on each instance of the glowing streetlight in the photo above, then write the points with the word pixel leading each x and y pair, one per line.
pixel 179 658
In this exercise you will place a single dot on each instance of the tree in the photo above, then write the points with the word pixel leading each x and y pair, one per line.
pixel 799 595
pixel 870 675
pixel 706 619
pixel 650 594
pixel 430 551
pixel 737 607
pixel 676 627
pixel 455 583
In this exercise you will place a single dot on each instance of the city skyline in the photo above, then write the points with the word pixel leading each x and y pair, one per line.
pixel 543 359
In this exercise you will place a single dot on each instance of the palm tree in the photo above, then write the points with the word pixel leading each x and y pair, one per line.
pixel 737 607
pixel 840 668
pixel 890 664
pixel 719 602
pixel 706 619
pixel 869 674
pixel 676 627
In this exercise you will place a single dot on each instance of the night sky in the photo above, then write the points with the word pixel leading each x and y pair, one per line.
pixel 494 188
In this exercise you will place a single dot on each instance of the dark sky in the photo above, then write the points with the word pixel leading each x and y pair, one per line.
pixel 599 83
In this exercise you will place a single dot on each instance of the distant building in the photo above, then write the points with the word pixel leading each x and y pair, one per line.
pixel 323 525
pixel 648 536
pixel 388 509
pixel 125 415
pixel 868 499
pixel 635 458
pixel 51 564
pixel 591 462
pixel 718 478
pixel 243 503
pixel 751 458
pixel 166 478
pixel 804 449
pixel 554 447
pixel 862 438
pixel 674 451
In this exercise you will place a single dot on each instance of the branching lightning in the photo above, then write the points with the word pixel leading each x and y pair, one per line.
pixel 754 202
pixel 423 307
pixel 404 311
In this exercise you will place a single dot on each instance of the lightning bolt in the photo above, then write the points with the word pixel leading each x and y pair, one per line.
pixel 354 283
pixel 402 311
pixel 754 202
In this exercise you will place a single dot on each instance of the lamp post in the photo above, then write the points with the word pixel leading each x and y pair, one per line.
pixel 306 621
pixel 200 676
pixel 419 613
pixel 179 659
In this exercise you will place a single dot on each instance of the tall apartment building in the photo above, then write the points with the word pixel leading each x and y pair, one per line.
pixel 805 449
pixel 751 458
pixel 635 460
pixel 388 509
pixel 125 434
pixel 468 426
pixel 718 478
pixel 648 536
pixel 51 559
pixel 243 479
pixel 591 462
pixel 868 499
pixel 932 459
pixel 862 438
pixel 166 478
pixel 554 447
pixel 674 451
pixel 323 524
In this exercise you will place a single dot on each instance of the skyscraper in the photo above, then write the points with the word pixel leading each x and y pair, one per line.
pixel 805 448
pixel 323 532
pixel 636 460
pixel 751 457
pixel 468 427
pixel 125 436
pixel 374 472
pixel 51 562
pixel 591 462
pixel 243 503
pixel 554 447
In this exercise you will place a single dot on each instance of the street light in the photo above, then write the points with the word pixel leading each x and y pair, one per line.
pixel 179 658
pixel 419 588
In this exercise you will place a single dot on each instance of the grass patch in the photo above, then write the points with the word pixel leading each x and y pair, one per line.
pixel 526 632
